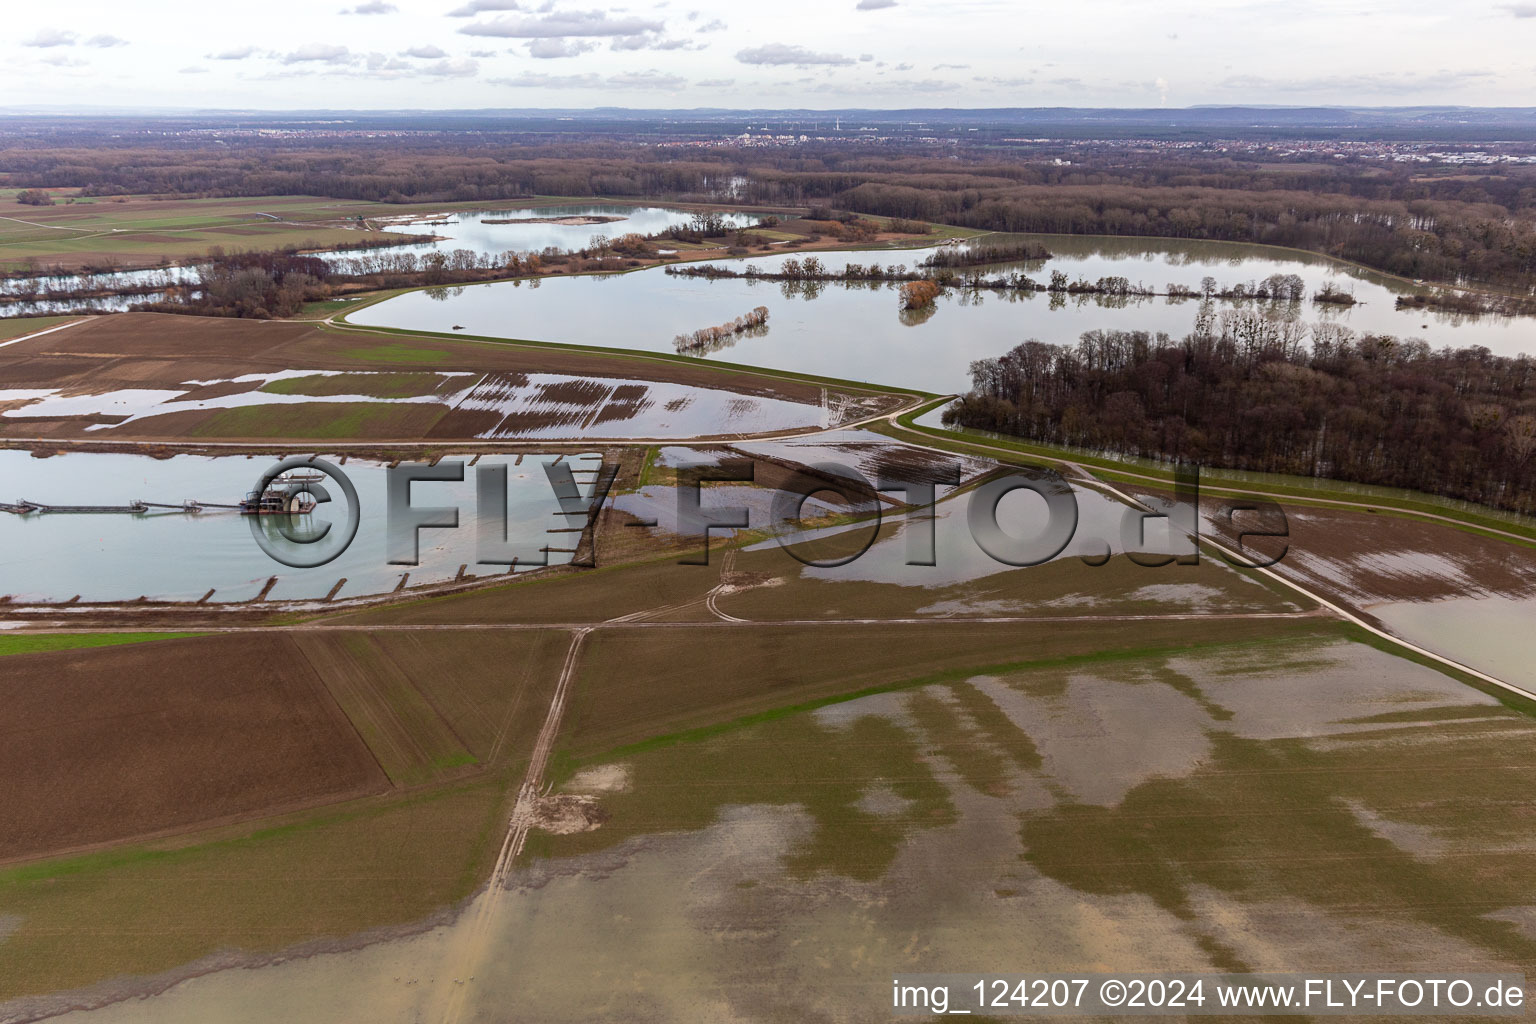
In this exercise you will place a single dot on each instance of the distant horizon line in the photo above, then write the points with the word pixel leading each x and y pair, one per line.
pixel 18 110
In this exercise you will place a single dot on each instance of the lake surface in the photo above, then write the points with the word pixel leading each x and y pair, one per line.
pixel 172 555
pixel 859 333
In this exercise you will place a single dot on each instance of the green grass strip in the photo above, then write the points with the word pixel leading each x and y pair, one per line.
pixel 37 643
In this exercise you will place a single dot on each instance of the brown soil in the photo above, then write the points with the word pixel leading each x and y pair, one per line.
pixel 118 742
pixel 1362 558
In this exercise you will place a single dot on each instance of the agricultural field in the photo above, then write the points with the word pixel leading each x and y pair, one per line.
pixel 716 771
pixel 133 232
pixel 278 790
pixel 16 328
pixel 745 773
pixel 124 232
pixel 147 376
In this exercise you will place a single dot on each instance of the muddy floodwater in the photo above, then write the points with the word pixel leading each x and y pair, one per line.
pixel 1489 633
pixel 468 403
pixel 858 332
pixel 179 556
pixel 796 898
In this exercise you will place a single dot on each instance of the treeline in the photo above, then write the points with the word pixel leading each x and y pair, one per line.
pixel 713 339
pixel 1249 392
pixel 1459 243
pixel 262 285
pixel 1469 303
pixel 955 257
pixel 1275 288
pixel 1444 224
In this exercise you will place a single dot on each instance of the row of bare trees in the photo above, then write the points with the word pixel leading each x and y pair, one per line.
pixel 713 339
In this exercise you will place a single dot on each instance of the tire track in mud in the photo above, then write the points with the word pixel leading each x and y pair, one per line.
pixel 470 950
pixel 727 564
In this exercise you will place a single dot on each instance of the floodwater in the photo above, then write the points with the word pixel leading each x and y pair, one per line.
pixel 529 231
pixel 496 405
pixel 173 555
pixel 464 229
pixel 958 558
pixel 161 277
pixel 710 923
pixel 1491 634
pixel 857 332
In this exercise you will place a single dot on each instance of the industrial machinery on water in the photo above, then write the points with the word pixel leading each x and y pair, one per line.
pixel 287 495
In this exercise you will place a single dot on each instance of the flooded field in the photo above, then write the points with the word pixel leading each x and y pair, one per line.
pixel 1107 813
pixel 484 232
pixel 462 404
pixel 38 288
pixel 178 556
pixel 858 332
pixel 1491 634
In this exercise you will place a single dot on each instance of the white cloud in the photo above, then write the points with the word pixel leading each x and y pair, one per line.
pixel 475 7
pixel 238 53
pixel 389 66
pixel 534 80
pixel 1520 10
pixel 371 7
pixel 874 5
pixel 323 53
pixel 782 54
pixel 651 41
pixel 50 37
pixel 581 24
pixel 461 68
pixel 551 49
pixel 193 70
pixel 105 42
pixel 647 80
pixel 424 52
pixel 716 83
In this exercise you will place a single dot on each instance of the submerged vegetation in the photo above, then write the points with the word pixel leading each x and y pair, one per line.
pixel 712 339
pixel 917 294
pixel 971 256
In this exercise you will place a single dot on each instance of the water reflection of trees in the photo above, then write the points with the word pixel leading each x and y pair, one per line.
pixel 720 343
pixel 792 289
pixel 918 315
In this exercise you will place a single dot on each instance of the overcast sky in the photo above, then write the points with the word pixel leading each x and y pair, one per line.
pixel 787 53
